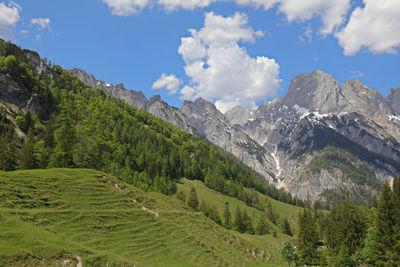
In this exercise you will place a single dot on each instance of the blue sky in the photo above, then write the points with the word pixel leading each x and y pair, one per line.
pixel 136 41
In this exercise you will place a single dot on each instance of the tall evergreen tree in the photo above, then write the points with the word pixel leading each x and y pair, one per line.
pixel 307 238
pixel 65 136
pixel 284 226
pixel 193 201
pixel 27 154
pixel 344 259
pixel 239 226
pixel 385 253
pixel 227 216
pixel 8 150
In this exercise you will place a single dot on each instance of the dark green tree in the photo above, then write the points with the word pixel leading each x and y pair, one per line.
pixel 344 259
pixel 288 253
pixel 262 227
pixel 227 216
pixel 28 158
pixel 284 226
pixel 8 150
pixel 238 223
pixel 65 137
pixel 193 201
pixel 387 238
pixel 307 244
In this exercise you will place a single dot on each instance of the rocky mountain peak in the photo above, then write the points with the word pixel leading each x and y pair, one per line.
pixel 393 99
pixel 317 91
pixel 239 115
pixel 84 76
pixel 367 100
pixel 201 107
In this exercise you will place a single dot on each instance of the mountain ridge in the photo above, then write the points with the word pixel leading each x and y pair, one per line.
pixel 359 114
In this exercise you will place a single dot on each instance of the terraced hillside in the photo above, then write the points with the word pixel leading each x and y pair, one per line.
pixel 61 216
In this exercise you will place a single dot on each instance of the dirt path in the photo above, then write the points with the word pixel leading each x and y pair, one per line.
pixel 134 200
pixel 79 264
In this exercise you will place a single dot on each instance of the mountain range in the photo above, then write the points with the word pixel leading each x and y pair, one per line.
pixel 322 141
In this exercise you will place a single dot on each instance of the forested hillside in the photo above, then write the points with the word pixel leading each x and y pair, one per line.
pixel 49 118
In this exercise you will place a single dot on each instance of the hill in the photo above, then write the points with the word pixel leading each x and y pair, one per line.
pixel 52 217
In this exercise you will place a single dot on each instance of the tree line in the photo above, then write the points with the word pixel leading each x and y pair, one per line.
pixel 350 235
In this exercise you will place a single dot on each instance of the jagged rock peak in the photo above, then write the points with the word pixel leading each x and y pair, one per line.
pixel 200 106
pixel 365 100
pixel 155 98
pixel 239 115
pixel 393 99
pixel 317 91
pixel 84 76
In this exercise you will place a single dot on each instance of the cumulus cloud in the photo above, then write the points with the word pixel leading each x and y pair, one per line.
pixel 42 22
pixel 220 70
pixel 376 27
pixel 332 13
pixel 169 82
pixel 9 16
pixel 126 7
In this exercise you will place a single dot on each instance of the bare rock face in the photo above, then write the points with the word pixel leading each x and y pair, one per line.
pixel 213 125
pixel 393 100
pixel 317 91
pixel 239 115
pixel 131 97
pixel 170 114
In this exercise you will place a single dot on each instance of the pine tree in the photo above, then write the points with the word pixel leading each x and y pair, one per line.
pixel 65 137
pixel 28 157
pixel 307 238
pixel 344 259
pixel 262 227
pixel 247 223
pixel 227 216
pixel 238 221
pixel 8 151
pixel 386 230
pixel 193 201
pixel 284 226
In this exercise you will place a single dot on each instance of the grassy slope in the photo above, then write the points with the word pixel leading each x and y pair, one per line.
pixel 218 199
pixel 49 216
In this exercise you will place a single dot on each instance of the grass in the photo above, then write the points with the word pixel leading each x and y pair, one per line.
pixel 218 199
pixel 48 217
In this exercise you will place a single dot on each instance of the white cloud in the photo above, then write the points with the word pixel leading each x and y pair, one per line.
pixel 42 22
pixel 376 26
pixel 169 82
pixel 172 5
pixel 222 71
pixel 126 7
pixel 356 74
pixel 9 16
pixel 307 35
pixel 332 12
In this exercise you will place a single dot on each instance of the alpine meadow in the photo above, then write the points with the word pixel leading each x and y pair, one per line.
pixel 249 155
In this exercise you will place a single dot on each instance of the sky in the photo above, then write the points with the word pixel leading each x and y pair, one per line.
pixel 229 52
